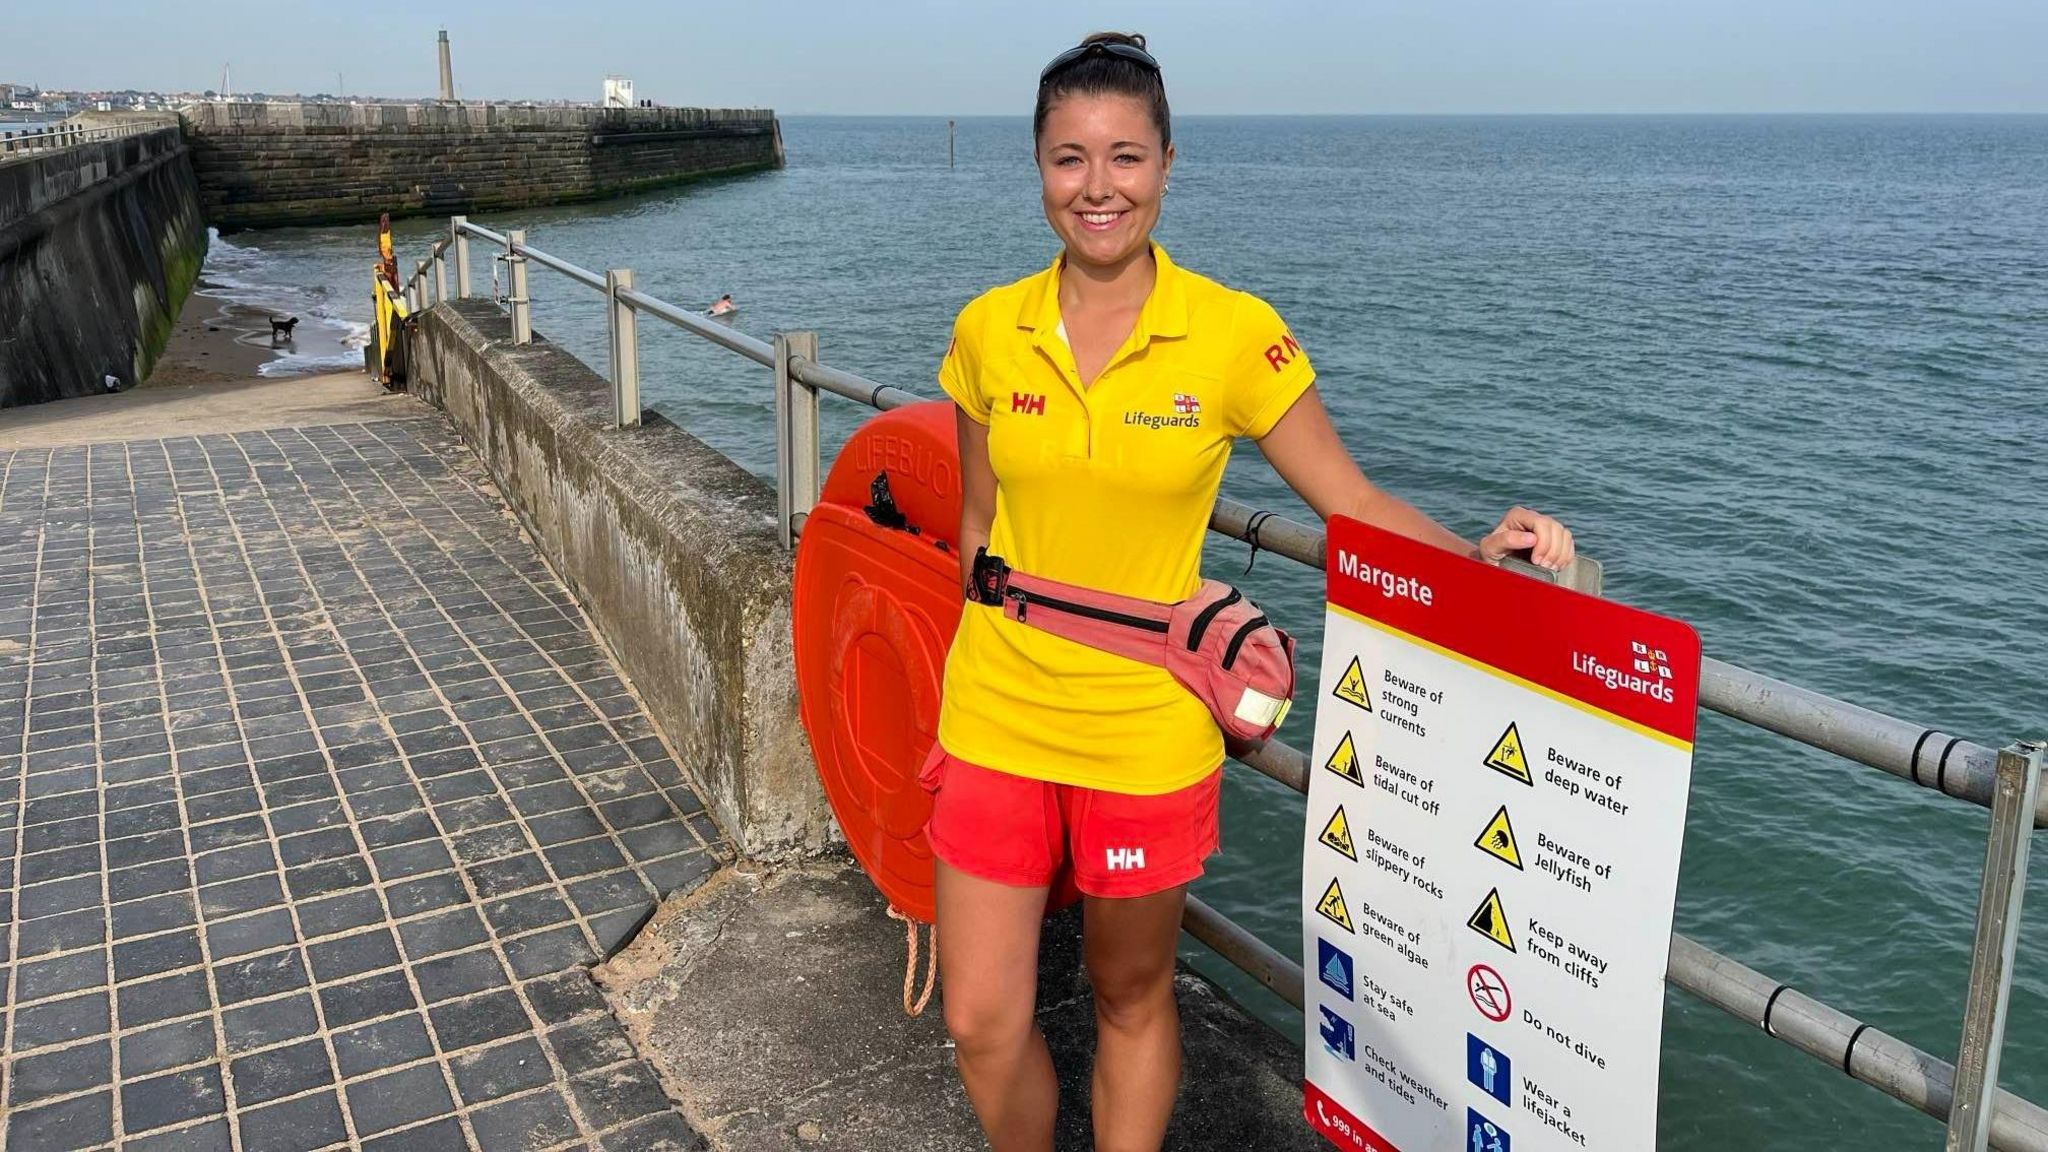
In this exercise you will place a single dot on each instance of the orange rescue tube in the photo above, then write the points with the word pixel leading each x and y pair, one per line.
pixel 877 600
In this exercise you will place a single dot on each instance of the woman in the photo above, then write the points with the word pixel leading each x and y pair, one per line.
pixel 1098 401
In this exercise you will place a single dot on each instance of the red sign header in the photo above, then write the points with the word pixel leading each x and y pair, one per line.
pixel 1637 665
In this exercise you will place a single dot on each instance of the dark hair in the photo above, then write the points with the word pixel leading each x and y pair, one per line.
pixel 1101 73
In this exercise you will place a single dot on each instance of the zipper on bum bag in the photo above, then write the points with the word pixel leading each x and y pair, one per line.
pixel 1207 616
pixel 1105 615
pixel 1237 641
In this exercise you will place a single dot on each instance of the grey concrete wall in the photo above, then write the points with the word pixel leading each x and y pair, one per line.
pixel 262 165
pixel 671 548
pixel 99 246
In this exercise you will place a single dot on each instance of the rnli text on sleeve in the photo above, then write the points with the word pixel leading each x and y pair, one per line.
pixel 1390 585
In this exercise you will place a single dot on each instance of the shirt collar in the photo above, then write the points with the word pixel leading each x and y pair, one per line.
pixel 1165 313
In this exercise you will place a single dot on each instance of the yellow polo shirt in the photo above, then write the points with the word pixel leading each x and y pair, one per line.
pixel 1108 487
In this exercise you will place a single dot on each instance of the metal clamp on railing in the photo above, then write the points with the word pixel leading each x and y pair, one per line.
pixel 1980 1115
pixel 522 305
pixel 797 483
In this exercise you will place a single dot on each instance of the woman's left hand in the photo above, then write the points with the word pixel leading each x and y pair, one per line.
pixel 1549 543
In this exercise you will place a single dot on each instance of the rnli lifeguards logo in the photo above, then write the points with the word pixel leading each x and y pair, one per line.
pixel 1187 413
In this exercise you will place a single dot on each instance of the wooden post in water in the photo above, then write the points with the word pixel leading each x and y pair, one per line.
pixel 949 143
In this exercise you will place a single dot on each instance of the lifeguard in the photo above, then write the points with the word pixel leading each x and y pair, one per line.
pixel 1097 404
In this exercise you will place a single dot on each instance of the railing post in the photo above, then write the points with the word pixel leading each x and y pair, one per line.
pixel 1991 957
pixel 625 351
pixel 1583 574
pixel 461 241
pixel 522 307
pixel 440 277
pixel 796 434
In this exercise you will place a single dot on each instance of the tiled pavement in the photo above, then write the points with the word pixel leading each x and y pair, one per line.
pixel 316 797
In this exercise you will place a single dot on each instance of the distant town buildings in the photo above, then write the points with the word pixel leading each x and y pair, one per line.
pixel 27 102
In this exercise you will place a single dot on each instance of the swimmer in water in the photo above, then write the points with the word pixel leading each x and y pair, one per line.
pixel 723 306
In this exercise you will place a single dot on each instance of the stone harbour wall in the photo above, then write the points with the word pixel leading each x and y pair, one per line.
pixel 100 244
pixel 265 165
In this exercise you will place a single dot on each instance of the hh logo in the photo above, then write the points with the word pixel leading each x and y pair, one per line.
pixel 1125 859
pixel 1027 404
pixel 1282 354
pixel 1185 404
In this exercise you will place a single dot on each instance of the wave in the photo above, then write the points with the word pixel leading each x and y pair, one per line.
pixel 252 278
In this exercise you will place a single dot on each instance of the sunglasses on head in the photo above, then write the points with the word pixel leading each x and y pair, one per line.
pixel 1131 52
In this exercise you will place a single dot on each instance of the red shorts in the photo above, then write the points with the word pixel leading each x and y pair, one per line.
pixel 1017 831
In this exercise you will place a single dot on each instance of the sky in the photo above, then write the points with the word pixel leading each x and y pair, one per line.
pixel 972 57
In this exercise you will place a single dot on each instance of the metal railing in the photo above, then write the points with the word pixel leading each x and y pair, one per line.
pixel 2007 781
pixel 69 134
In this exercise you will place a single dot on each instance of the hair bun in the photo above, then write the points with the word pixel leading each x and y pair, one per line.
pixel 1134 39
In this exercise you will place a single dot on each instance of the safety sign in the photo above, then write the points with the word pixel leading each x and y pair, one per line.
pixel 1490 856
pixel 1489 993
pixel 1337 835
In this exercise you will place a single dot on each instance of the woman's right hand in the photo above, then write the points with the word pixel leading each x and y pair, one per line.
pixel 1548 541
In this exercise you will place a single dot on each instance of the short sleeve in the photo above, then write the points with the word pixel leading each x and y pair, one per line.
pixel 1267 371
pixel 960 371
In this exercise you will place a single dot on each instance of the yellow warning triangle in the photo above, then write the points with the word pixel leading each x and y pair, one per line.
pixel 1332 907
pixel 1351 687
pixel 1490 921
pixel 1344 762
pixel 1498 839
pixel 1507 758
pixel 1337 834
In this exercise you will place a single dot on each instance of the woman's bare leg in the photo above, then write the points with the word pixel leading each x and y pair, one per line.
pixel 1129 949
pixel 988 968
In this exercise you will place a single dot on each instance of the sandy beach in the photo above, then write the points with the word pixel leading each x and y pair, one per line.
pixel 218 341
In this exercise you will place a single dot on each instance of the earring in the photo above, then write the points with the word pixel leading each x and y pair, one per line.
pixel 1165 188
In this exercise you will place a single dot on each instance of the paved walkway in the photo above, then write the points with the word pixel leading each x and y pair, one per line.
pixel 316 797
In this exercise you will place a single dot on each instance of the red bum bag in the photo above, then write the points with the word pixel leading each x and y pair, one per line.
pixel 1216 643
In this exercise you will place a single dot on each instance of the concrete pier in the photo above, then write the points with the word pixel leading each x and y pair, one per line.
pixel 317 795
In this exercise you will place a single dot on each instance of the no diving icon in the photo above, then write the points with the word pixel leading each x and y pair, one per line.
pixel 1489 992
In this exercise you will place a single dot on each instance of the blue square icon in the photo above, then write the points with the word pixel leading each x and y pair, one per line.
pixel 1489 1069
pixel 1340 1039
pixel 1483 1135
pixel 1333 965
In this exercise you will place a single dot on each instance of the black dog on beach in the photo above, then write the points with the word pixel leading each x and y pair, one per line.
pixel 282 327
